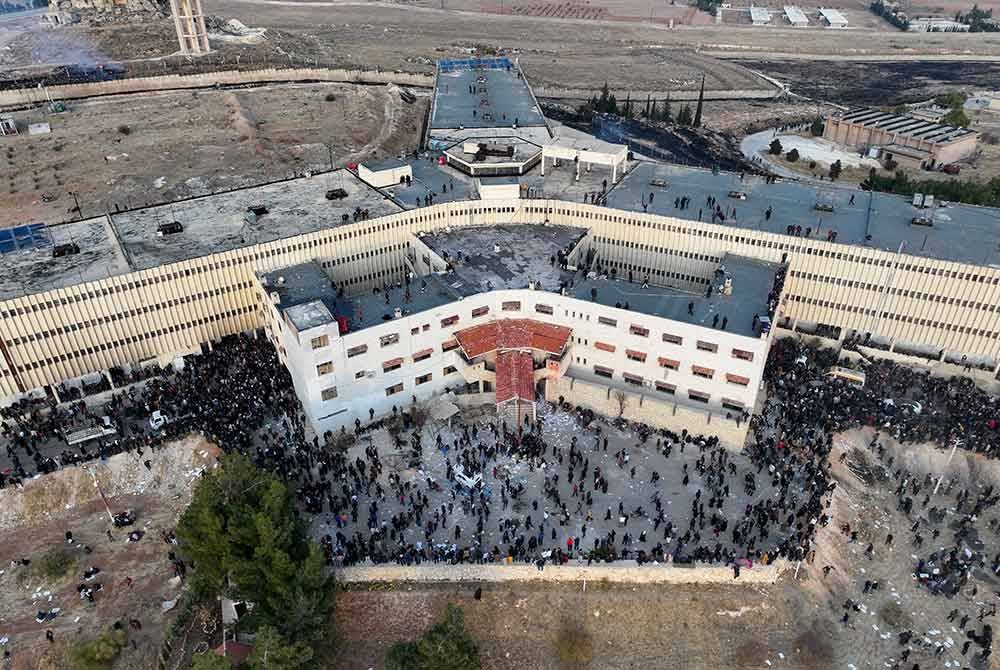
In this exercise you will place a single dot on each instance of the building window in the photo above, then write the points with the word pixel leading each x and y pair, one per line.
pixel 738 380
pixel 423 379
pixel 636 380
pixel 604 346
pixel 743 355
pixel 634 355
pixel 602 371
pixel 605 321
pixel 360 374
pixel 324 368
pixel 394 389
pixel 415 330
pixel 357 351
pixel 734 405
pixel 664 387
pixel 393 364
pixel 389 340
pixel 320 342
pixel 480 311
pixel 698 396
pixel 450 370
pixel 449 345
pixel 511 306
pixel 425 327
pixel 699 371
pixel 422 355
pixel 450 321
pixel 329 393
pixel 543 309
pixel 638 330
pixel 707 346
pixel 669 363
pixel 672 339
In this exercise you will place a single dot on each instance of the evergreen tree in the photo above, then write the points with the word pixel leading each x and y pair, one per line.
pixel 645 112
pixel 604 100
pixel 627 107
pixel 210 661
pixel 701 101
pixel 653 114
pixel 668 115
pixel 684 117
pixel 835 170
pixel 446 645
pixel 775 149
pixel 272 652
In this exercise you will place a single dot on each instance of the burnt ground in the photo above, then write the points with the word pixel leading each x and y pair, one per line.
pixel 698 147
pixel 892 83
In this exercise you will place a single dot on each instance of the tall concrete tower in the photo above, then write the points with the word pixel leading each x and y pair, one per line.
pixel 189 20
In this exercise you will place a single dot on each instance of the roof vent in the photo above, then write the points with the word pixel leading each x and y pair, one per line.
pixel 281 280
pixel 397 313
pixel 496 248
pixel 69 249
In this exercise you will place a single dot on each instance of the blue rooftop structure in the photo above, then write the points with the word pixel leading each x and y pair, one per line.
pixel 482 93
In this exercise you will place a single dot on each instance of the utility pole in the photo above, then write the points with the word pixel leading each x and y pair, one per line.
pixel 104 499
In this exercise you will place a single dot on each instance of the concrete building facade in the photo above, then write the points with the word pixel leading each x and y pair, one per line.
pixel 922 142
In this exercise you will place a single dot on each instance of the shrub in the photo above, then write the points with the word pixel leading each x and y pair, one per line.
pixel 56 562
pixel 775 149
pixel 792 155
pixel 330 97
pixel 124 130
pixel 98 653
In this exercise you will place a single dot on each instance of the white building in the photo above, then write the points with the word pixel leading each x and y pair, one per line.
pixel 759 16
pixel 381 174
pixel 660 355
pixel 796 16
pixel 833 18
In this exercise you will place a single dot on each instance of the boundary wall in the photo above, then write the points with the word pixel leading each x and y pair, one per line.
pixel 61 334
pixel 624 572
pixel 30 96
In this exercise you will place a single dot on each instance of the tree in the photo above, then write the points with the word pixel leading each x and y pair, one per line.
pixel 447 645
pixel 98 653
pixel 950 100
pixel 835 170
pixel 684 117
pixel 210 661
pixel 956 117
pixel 817 127
pixel 272 652
pixel 622 401
pixel 701 101
pixel 775 149
pixel 245 537
pixel 668 115
pixel 792 155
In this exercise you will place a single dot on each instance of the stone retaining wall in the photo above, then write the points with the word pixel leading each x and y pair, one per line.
pixel 28 96
pixel 627 572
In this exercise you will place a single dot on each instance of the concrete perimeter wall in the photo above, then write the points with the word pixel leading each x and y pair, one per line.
pixel 28 96
pixel 626 572
pixel 650 410
pixel 675 96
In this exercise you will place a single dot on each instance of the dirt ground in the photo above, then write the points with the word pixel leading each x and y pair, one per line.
pixel 157 495
pixel 147 148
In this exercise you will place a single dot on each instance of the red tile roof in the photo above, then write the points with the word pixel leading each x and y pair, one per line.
pixel 512 334
pixel 515 376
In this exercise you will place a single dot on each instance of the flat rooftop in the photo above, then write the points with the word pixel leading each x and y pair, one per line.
pixel 372 308
pixel 504 257
pixel 34 270
pixel 215 223
pixel 961 233
pixel 752 281
pixel 482 93
pixel 306 294
pixel 429 178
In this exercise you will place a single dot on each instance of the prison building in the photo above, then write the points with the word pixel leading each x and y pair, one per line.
pixel 909 139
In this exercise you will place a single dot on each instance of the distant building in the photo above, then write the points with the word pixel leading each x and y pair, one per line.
pixel 933 24
pixel 796 16
pixel 833 18
pixel 759 16
pixel 909 139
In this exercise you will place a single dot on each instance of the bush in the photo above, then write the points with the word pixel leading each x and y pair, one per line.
pixel 835 170
pixel 817 127
pixel 209 660
pixel 812 165
pixel 98 653
pixel 55 563
pixel 792 155
pixel 330 97
pixel 124 130
pixel 446 645
pixel 775 149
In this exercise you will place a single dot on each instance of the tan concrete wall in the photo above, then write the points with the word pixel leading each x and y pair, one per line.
pixel 650 410
pixel 627 572
pixel 21 97
pixel 64 333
